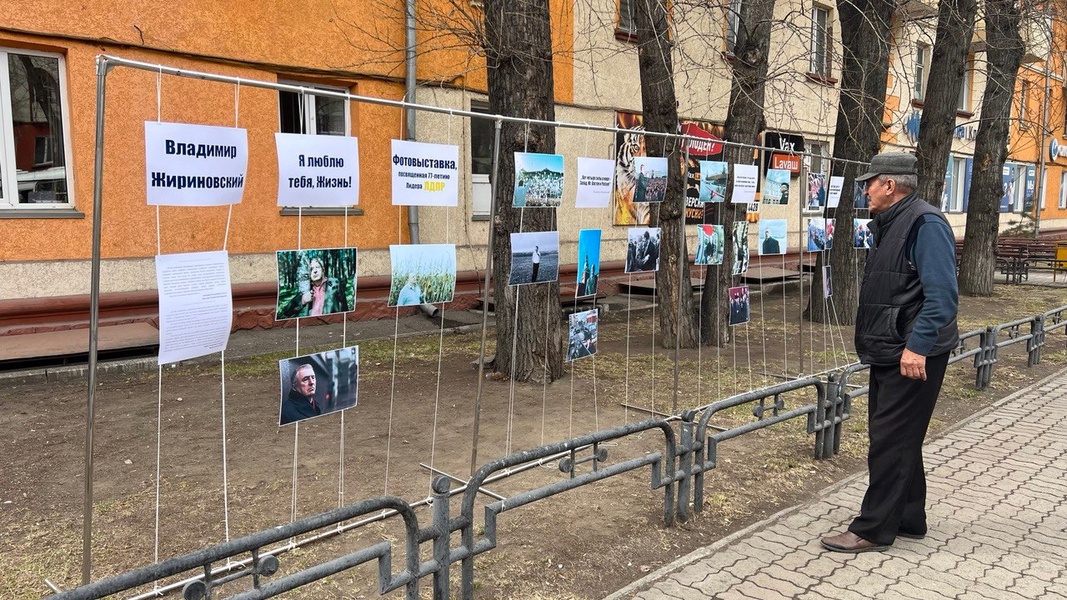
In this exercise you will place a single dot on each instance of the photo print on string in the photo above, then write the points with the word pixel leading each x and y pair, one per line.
pixel 833 193
pixel 831 222
pixel 714 176
pixel 740 248
pixel 827 283
pixel 776 186
pixel 651 178
pixel 642 249
pixel 745 179
pixel 595 182
pixel 315 283
pixel 422 274
pixel 588 263
pixel 739 304
pixel 816 200
pixel 772 237
pixel 534 257
pixel 860 196
pixel 862 237
pixel 709 245
pixel 538 180
pixel 318 384
pixel 581 334
pixel 816 234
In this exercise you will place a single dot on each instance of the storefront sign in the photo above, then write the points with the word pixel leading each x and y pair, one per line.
pixel 787 162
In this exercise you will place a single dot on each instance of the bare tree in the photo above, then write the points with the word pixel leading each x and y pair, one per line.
pixel 865 35
pixel 744 122
pixel 518 53
pixel 677 317
pixel 955 27
pixel 1004 54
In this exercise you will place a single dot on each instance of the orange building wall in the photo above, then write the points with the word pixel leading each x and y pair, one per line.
pixel 321 41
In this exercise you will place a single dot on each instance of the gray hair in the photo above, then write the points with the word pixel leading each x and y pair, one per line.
pixel 293 379
pixel 907 182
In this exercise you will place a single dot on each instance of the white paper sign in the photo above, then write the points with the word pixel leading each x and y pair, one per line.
pixel 745 178
pixel 425 174
pixel 833 194
pixel 194 165
pixel 195 304
pixel 317 170
pixel 596 180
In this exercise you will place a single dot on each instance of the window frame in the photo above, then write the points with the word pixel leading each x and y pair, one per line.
pixel 481 107
pixel 309 107
pixel 825 36
pixel 1024 98
pixel 920 72
pixel 1063 189
pixel 732 24
pixel 963 102
pixel 623 32
pixel 8 170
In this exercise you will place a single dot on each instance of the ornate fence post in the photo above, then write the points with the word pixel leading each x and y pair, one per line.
pixel 1036 341
pixel 685 466
pixel 825 418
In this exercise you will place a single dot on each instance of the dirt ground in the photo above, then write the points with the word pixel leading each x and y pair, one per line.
pixel 583 544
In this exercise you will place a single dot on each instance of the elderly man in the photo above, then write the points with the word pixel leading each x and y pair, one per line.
pixel 300 404
pixel 905 330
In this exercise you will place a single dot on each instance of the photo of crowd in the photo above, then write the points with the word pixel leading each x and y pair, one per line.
pixel 862 237
pixel 651 181
pixel 739 304
pixel 538 180
pixel 581 334
pixel 709 245
pixel 422 274
pixel 642 249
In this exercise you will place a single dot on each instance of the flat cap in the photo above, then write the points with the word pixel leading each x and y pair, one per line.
pixel 890 163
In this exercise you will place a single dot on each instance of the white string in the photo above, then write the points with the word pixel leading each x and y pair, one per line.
pixel 225 458
pixel 514 353
pixel 626 380
pixel 653 346
pixel 159 435
pixel 344 344
pixel 440 354
pixel 785 323
pixel 392 383
pixel 762 317
pixel 159 94
pixel 296 427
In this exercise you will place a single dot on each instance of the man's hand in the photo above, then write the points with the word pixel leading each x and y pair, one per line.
pixel 912 365
pixel 304 299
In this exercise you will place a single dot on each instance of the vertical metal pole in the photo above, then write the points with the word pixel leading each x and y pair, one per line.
pixel 94 319
pixel 800 265
pixel 494 183
pixel 441 538
pixel 684 281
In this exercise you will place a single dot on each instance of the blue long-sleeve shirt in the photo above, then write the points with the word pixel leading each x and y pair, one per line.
pixel 934 257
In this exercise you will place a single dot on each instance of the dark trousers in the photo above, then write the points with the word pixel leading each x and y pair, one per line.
pixel 533 276
pixel 899 414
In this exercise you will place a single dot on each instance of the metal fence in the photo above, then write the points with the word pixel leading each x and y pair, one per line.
pixel 677 468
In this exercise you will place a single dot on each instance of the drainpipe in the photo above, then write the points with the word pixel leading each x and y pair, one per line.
pixel 431 310
pixel 1039 187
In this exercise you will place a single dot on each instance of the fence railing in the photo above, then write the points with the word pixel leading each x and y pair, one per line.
pixel 677 467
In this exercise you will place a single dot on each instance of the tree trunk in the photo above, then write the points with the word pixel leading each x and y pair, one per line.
pixel 519 60
pixel 955 27
pixel 677 318
pixel 865 35
pixel 744 122
pixel 1003 55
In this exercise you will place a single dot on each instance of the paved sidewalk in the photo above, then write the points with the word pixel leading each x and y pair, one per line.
pixel 997 502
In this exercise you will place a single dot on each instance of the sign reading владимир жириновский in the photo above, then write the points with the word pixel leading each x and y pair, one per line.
pixel 425 174
pixel 194 165
pixel 317 170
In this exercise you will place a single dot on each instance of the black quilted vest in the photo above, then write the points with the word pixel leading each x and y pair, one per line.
pixel 891 295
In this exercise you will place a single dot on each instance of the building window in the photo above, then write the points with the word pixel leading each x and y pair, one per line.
pixel 821 41
pixel 964 102
pixel 1024 99
pixel 482 135
pixel 1065 110
pixel 627 28
pixel 310 113
pixel 34 153
pixel 1063 189
pixel 733 24
pixel 922 65
pixel 820 155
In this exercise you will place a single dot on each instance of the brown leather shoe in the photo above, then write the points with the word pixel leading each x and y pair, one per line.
pixel 851 543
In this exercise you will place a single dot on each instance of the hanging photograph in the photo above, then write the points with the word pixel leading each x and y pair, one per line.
pixel 776 187
pixel 745 179
pixel 713 179
pixel 642 249
pixel 830 223
pixel 588 262
pixel 538 180
pixel 833 194
pixel 816 234
pixel 859 196
pixel 422 274
pixel 318 384
pixel 816 200
pixel 425 174
pixel 709 245
pixel 581 334
pixel 862 237
pixel 740 248
pixel 772 237
pixel 315 283
pixel 534 257
pixel 827 283
pixel 595 182
pixel 739 304
pixel 651 182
